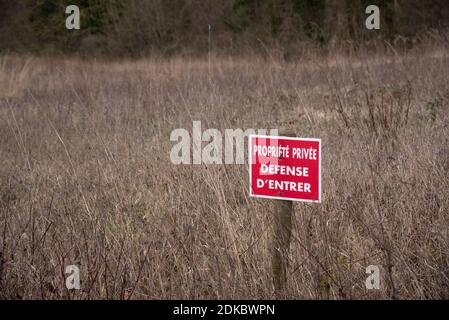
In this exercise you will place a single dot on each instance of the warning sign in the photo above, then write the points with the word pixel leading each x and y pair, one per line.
pixel 285 168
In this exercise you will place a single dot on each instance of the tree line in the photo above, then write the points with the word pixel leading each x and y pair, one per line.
pixel 137 27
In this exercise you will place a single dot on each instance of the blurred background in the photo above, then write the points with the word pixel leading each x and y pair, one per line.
pixel 167 27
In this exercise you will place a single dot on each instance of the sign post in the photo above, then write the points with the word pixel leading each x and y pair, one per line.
pixel 286 169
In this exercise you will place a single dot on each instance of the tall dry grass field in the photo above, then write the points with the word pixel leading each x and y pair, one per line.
pixel 86 177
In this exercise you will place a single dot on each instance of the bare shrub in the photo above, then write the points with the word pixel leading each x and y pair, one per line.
pixel 85 178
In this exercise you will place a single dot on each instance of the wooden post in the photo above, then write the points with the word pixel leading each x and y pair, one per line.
pixel 282 230
pixel 281 237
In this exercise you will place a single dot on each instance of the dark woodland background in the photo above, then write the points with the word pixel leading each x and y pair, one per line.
pixel 141 27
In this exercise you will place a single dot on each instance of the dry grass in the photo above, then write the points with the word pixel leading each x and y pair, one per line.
pixel 85 178
pixel 15 75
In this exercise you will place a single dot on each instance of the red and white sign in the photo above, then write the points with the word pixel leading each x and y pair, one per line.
pixel 285 168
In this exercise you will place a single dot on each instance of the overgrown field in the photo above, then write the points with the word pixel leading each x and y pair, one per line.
pixel 86 177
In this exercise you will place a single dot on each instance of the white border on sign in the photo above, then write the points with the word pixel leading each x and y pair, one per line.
pixel 250 160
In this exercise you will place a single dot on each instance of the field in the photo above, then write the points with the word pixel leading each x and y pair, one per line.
pixel 86 177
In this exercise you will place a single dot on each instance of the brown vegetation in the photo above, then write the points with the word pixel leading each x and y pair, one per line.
pixel 86 178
